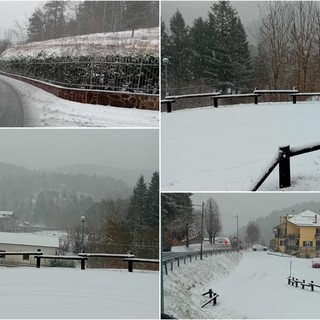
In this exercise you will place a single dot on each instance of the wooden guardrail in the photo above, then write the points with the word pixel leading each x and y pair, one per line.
pixel 212 297
pixel 295 282
pixel 139 260
pixel 303 94
pixel 59 257
pixel 283 159
pixel 235 96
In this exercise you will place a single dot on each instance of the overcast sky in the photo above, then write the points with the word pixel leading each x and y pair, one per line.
pixel 10 11
pixel 250 206
pixel 51 148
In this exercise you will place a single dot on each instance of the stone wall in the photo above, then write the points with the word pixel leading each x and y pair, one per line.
pixel 107 98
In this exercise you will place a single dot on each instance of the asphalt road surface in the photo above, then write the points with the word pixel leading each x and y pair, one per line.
pixel 11 109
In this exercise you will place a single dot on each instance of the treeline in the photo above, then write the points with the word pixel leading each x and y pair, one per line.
pixel 183 221
pixel 214 53
pixel 56 19
pixel 123 225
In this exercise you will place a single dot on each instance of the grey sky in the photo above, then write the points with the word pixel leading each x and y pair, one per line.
pixel 190 10
pixel 51 148
pixel 250 206
pixel 10 11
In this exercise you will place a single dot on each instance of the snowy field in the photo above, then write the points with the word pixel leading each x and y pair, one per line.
pixel 250 285
pixel 43 109
pixel 145 41
pixel 31 293
pixel 229 148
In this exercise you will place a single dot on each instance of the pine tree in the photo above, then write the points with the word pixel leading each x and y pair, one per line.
pixel 178 51
pixel 230 53
pixel 212 219
pixel 136 13
pixel 36 26
pixel 152 206
pixel 137 209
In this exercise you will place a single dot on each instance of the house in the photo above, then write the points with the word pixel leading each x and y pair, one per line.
pixel 25 242
pixel 299 234
pixel 7 221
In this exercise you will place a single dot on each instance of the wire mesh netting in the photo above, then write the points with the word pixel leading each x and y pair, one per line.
pixel 113 73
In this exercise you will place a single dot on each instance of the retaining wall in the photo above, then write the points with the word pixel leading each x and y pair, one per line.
pixel 107 98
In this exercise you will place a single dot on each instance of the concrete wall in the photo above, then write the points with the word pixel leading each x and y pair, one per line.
pixel 18 260
pixel 107 98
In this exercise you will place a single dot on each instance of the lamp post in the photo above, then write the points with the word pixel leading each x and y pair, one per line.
pixel 83 219
pixel 165 61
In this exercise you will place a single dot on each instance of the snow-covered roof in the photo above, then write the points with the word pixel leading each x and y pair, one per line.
pixel 6 214
pixel 28 239
pixel 305 219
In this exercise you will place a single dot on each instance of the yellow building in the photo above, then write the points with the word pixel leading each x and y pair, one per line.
pixel 299 234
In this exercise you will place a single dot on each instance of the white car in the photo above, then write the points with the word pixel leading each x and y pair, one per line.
pixel 259 247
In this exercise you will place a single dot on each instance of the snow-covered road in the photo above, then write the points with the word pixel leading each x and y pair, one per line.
pixel 250 285
pixel 227 149
pixel 42 109
pixel 55 293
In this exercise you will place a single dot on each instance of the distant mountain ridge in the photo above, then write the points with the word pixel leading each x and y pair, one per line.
pixel 129 176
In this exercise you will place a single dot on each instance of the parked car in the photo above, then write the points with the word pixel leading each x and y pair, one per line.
pixel 315 263
pixel 259 247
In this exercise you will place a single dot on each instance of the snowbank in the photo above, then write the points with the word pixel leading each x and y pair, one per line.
pixel 253 287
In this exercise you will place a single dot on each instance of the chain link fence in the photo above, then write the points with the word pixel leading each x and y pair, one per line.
pixel 110 73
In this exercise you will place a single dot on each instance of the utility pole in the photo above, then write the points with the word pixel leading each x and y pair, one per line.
pixel 201 247
pixel 237 217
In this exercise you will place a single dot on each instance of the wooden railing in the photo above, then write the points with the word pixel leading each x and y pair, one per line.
pixel 283 159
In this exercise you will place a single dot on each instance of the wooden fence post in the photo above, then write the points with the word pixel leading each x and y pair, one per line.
pixel 169 106
pixel 83 264
pixel 255 99
pixel 294 99
pixel 284 167
pixel 215 102
pixel 311 285
pixel 38 262
pixel 130 265
pixel 165 267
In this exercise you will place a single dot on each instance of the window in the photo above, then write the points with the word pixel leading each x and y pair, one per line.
pixel 25 257
pixel 307 243
pixel 2 255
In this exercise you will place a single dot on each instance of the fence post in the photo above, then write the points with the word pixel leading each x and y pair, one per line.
pixel 311 285
pixel 166 268
pixel 38 262
pixel 256 99
pixel 169 106
pixel 178 259
pixel 294 99
pixel 215 102
pixel 284 167
pixel 83 264
pixel 210 293
pixel 130 265
pixel 171 265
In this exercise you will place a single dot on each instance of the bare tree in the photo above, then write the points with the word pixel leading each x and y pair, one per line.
pixel 212 219
pixel 252 233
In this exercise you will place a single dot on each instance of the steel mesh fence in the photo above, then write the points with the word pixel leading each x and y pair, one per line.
pixel 113 73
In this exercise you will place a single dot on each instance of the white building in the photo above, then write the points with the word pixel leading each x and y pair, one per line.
pixel 25 242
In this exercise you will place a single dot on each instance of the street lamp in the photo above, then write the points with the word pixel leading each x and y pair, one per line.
pixel 83 219
pixel 165 61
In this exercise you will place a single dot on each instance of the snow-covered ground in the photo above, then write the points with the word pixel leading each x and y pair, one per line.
pixel 250 285
pixel 145 41
pixel 55 293
pixel 43 109
pixel 228 148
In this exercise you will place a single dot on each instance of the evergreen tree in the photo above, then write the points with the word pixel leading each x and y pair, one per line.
pixel 135 14
pixel 152 205
pixel 178 51
pixel 36 26
pixel 230 53
pixel 137 210
pixel 212 219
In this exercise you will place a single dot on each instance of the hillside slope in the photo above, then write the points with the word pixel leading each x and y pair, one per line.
pixel 144 42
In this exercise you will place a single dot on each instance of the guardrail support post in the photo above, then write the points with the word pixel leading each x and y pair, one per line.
pixel 130 266
pixel 38 262
pixel 294 99
pixel 83 264
pixel 215 102
pixel 284 167
pixel 169 109
pixel 255 99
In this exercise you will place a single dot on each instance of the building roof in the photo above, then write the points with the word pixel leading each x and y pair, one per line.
pixel 28 239
pixel 306 218
pixel 6 214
